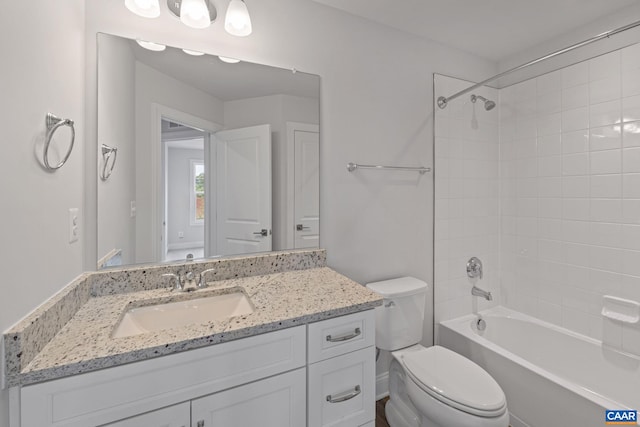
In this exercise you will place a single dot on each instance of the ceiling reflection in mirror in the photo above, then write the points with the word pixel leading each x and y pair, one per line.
pixel 200 158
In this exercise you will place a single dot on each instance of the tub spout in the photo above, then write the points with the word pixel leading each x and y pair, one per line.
pixel 476 291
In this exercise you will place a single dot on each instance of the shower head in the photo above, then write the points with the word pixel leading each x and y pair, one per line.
pixel 488 104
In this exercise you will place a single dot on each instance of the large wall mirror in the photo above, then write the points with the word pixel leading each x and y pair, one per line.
pixel 202 157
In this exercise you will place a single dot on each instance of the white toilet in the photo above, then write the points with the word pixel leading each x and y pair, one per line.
pixel 430 387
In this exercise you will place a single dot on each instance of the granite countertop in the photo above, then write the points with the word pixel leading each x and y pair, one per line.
pixel 280 300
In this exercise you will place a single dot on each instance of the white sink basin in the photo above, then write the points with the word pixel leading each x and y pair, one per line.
pixel 157 317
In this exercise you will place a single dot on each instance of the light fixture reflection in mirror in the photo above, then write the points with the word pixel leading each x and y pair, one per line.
pixel 192 52
pixel 196 138
pixel 155 47
pixel 228 60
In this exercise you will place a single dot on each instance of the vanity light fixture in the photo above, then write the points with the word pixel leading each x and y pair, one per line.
pixel 228 60
pixel 193 13
pixel 156 47
pixel 144 8
pixel 192 52
pixel 198 13
pixel 237 22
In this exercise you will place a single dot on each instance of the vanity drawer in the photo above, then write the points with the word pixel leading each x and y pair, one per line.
pixel 340 335
pixel 342 390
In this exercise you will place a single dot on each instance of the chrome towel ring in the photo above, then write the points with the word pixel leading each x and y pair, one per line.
pixel 107 152
pixel 53 123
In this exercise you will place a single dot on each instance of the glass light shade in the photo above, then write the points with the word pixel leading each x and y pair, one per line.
pixel 228 60
pixel 237 22
pixel 156 47
pixel 192 52
pixel 144 8
pixel 194 13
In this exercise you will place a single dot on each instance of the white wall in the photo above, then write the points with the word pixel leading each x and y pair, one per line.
pixel 38 76
pixel 275 110
pixel 153 87
pixel 178 189
pixel 570 194
pixel 376 106
pixel 466 199
pixel 116 110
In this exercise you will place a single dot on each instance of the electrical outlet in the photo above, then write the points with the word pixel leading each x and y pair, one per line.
pixel 133 210
pixel 74 225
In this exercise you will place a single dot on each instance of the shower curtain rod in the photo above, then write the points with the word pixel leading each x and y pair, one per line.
pixel 442 101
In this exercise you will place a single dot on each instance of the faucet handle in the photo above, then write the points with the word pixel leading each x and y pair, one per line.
pixel 474 268
pixel 178 286
pixel 201 282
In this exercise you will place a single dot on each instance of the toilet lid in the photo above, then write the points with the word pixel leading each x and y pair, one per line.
pixel 455 380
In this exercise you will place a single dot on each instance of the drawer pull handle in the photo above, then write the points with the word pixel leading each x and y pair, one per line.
pixel 346 337
pixel 344 396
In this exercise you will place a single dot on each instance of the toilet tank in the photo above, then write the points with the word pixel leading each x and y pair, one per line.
pixel 399 320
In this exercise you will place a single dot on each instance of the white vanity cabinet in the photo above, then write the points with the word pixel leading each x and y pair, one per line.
pixel 277 379
pixel 173 416
pixel 274 402
pixel 341 371
pixel 113 394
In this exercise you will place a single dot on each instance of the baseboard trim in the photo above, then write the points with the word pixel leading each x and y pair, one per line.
pixel 516 422
pixel 382 385
pixel 185 245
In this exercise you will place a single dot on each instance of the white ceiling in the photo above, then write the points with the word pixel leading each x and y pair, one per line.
pixel 493 29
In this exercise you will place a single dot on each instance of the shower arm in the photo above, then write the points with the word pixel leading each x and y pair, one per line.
pixel 442 101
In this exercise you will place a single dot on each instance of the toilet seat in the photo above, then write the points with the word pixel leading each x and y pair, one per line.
pixel 454 380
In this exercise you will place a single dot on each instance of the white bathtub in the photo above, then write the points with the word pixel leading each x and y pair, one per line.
pixel 551 376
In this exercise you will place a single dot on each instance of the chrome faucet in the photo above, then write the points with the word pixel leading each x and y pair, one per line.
pixel 476 291
pixel 188 282
pixel 474 272
pixel 474 268
pixel 178 284
pixel 201 281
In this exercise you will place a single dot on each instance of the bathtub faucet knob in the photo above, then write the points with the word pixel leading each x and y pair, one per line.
pixel 474 268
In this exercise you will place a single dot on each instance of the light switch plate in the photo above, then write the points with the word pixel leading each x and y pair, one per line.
pixel 74 225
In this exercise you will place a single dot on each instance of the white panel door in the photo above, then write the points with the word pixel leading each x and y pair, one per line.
pixel 243 223
pixel 173 416
pixel 278 401
pixel 307 188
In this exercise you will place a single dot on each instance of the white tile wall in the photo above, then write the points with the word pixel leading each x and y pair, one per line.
pixel 467 194
pixel 570 194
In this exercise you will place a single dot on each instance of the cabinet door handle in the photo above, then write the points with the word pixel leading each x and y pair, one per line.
pixel 344 396
pixel 346 337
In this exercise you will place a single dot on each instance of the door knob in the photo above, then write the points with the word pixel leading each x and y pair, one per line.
pixel 264 232
pixel 300 227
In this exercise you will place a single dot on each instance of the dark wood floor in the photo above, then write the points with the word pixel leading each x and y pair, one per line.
pixel 381 420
